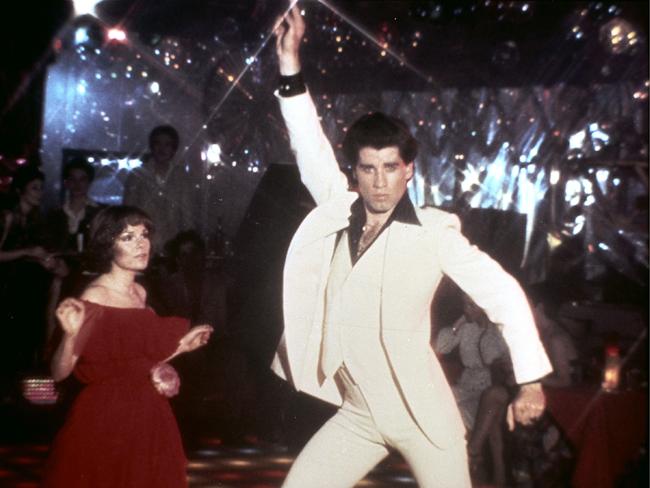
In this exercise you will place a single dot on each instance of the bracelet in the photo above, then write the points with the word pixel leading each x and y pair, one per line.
pixel 292 85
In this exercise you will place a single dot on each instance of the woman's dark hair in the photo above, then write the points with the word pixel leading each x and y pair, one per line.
pixel 378 130
pixel 105 227
pixel 25 175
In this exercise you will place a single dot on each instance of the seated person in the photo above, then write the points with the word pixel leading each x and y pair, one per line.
pixel 559 346
pixel 480 343
pixel 481 401
pixel 190 286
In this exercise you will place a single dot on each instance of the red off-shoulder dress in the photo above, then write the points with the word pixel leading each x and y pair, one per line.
pixel 120 431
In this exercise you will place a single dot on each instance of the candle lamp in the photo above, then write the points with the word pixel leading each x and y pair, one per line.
pixel 612 372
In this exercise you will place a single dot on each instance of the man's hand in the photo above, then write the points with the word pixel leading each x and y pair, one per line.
pixel 289 31
pixel 527 406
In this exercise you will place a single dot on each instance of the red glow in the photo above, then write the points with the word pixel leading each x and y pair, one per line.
pixel 116 34
pixel 229 476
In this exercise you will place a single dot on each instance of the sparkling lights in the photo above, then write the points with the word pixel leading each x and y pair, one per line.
pixel 213 154
pixel 618 36
pixel 503 146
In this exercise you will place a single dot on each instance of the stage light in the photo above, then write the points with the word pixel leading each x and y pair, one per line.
pixel 116 34
pixel 85 7
pixel 213 154
pixel 81 35
pixel 553 241
pixel 88 34
pixel 555 176
pixel 577 140
pixel 602 175
pixel 619 36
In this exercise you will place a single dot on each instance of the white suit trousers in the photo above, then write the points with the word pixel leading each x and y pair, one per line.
pixel 351 444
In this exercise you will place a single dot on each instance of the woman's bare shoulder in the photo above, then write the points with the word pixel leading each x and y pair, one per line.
pixel 96 293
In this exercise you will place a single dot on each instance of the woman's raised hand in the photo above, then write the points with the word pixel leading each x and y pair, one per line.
pixel 71 313
pixel 197 337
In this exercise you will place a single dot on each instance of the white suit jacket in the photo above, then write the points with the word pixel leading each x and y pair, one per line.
pixel 416 258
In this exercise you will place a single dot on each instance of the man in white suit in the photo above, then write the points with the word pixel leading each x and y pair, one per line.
pixel 359 279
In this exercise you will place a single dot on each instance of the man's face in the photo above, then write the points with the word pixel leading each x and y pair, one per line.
pixel 163 148
pixel 382 176
pixel 77 183
pixel 190 257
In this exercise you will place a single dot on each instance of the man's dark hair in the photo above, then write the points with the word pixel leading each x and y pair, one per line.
pixel 167 130
pixel 173 247
pixel 105 227
pixel 81 164
pixel 378 131
pixel 24 175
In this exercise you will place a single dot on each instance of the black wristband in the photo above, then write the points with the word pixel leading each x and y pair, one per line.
pixel 292 85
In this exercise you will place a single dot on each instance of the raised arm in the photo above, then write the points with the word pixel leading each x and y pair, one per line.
pixel 71 313
pixel 319 170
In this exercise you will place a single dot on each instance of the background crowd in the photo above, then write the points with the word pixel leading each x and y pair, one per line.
pixel 228 388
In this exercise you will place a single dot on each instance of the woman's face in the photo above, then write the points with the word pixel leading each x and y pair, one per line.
pixel 32 193
pixel 132 247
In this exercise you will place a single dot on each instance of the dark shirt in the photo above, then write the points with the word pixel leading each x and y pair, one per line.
pixel 23 231
pixel 57 235
pixel 403 212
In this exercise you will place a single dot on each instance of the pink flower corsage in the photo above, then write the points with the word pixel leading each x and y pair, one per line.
pixel 165 379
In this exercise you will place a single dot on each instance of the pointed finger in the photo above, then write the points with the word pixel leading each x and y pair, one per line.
pixel 296 16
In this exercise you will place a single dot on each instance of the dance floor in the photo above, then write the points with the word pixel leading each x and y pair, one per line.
pixel 210 465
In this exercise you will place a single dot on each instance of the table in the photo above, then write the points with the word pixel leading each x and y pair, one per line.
pixel 606 430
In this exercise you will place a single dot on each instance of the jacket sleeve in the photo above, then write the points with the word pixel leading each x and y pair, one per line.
pixel 319 170
pixel 496 292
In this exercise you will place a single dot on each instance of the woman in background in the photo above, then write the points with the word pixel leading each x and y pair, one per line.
pixel 482 401
pixel 26 272
pixel 121 430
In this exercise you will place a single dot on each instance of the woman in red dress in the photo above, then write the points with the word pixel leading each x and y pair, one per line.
pixel 121 431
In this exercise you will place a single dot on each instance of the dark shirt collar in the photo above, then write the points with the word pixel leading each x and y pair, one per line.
pixel 403 212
